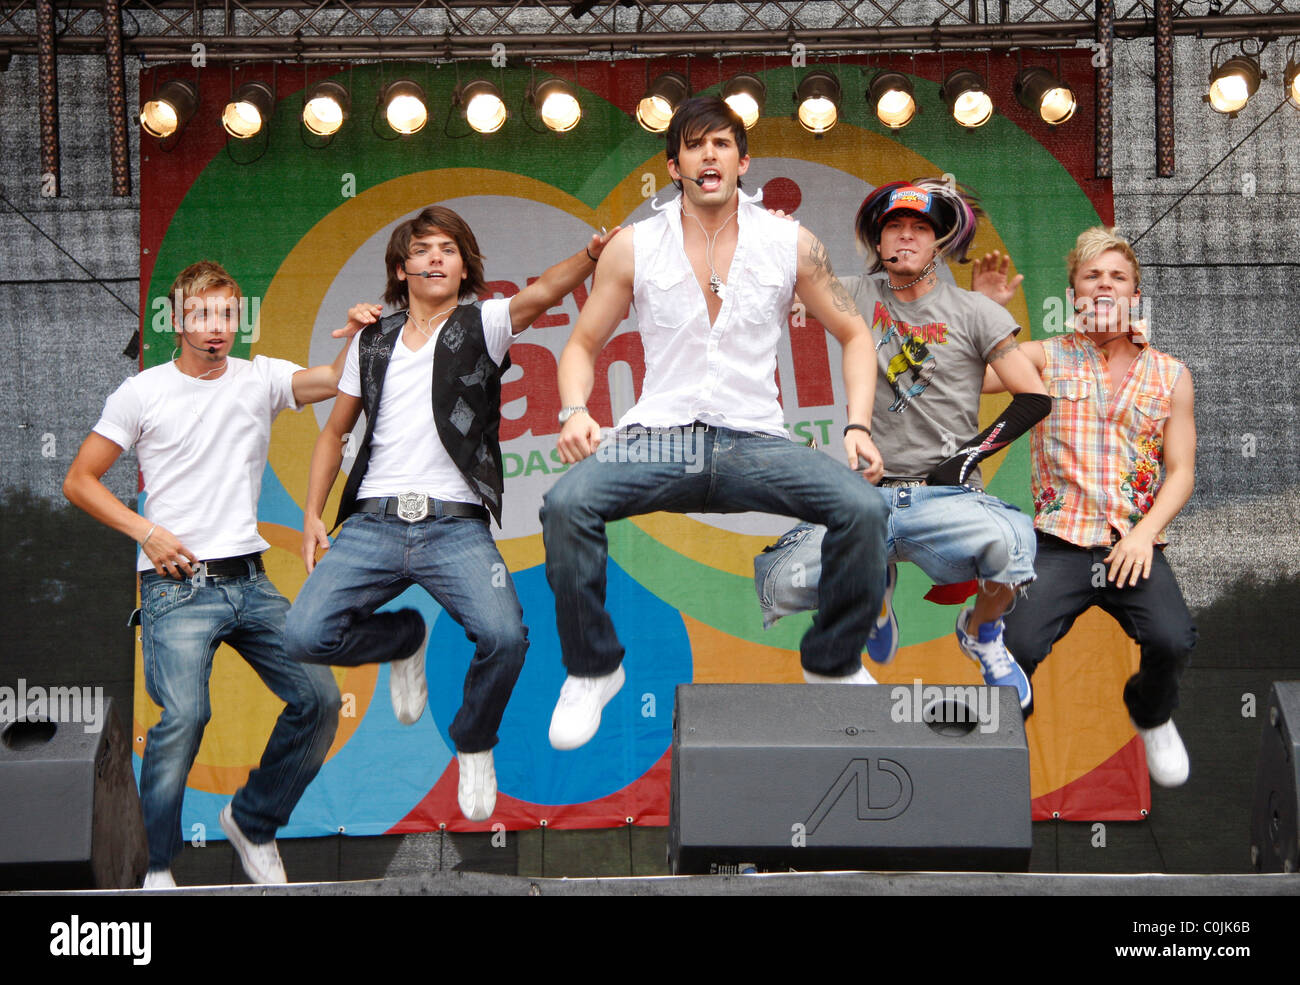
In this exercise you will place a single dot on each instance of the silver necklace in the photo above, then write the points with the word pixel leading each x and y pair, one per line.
pixel 715 282
pixel 929 269
pixel 416 325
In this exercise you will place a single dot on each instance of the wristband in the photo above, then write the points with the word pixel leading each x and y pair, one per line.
pixel 856 427
pixel 589 256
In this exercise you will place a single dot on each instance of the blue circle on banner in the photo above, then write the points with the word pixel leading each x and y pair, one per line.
pixel 636 726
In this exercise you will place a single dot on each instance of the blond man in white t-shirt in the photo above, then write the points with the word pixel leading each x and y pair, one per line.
pixel 200 425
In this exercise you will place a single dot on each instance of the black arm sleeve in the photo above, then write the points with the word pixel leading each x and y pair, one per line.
pixel 1024 411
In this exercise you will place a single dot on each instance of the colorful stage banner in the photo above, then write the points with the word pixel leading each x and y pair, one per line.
pixel 303 227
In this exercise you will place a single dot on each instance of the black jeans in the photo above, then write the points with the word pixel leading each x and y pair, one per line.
pixel 1073 579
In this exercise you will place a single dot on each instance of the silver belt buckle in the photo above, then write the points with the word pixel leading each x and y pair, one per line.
pixel 901 482
pixel 412 506
pixel 200 577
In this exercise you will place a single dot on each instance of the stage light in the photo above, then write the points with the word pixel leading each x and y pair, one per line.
pixel 1039 91
pixel 326 107
pixel 1232 84
pixel 818 100
pixel 404 108
pixel 1292 78
pixel 891 96
pixel 655 110
pixel 485 111
pixel 170 109
pixel 557 104
pixel 747 95
pixel 245 115
pixel 967 100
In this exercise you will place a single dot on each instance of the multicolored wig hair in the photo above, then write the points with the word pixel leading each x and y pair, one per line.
pixel 952 210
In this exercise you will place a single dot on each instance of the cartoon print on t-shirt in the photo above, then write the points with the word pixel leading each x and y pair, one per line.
pixel 911 369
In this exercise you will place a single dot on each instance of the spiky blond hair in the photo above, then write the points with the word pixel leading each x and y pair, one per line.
pixel 1092 243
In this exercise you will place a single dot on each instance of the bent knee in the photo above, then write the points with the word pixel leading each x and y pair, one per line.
pixel 301 638
pixel 860 505
pixel 1173 642
pixel 561 502
pixel 185 722
pixel 509 642
pixel 321 698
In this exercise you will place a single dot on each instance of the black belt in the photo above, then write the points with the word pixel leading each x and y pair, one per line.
pixel 412 507
pixel 229 567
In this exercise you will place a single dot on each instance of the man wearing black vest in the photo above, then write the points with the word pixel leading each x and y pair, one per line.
pixel 425 480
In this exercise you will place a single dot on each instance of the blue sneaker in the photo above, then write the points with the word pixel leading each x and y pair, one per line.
pixel 996 662
pixel 882 644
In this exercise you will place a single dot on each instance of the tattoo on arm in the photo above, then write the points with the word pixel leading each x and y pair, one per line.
pixel 820 259
pixel 843 300
pixel 1009 345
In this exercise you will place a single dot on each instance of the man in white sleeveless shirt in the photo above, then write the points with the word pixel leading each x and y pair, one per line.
pixel 712 277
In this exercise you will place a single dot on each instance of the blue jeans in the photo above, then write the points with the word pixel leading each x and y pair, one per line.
pixel 952 533
pixel 181 626
pixel 374 559
pixel 737 472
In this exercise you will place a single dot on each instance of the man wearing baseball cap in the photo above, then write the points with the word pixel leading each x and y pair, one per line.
pixel 933 342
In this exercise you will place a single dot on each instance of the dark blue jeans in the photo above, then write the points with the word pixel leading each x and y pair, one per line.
pixel 374 559
pixel 1073 579
pixel 736 472
pixel 181 627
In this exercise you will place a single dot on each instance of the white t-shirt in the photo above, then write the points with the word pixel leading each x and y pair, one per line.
pixel 202 447
pixel 406 454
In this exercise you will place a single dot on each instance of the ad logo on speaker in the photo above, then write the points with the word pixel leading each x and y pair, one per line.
pixel 884 791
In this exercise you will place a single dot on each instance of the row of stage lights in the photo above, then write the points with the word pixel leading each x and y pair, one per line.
pixel 817 103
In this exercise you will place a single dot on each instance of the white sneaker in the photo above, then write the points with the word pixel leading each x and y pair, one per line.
pixel 261 862
pixel 158 879
pixel 1166 755
pixel 407 684
pixel 577 714
pixel 477 791
pixel 860 676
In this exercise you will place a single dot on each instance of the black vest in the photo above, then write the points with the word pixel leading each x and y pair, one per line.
pixel 466 401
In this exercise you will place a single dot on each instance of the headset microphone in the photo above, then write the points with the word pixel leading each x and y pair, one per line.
pixel 892 259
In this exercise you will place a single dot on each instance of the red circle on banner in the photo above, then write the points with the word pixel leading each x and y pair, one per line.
pixel 783 194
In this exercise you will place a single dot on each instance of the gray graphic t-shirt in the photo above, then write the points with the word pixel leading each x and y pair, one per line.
pixel 931 353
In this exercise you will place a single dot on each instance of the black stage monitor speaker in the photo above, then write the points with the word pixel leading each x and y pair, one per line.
pixel 69 813
pixel 1273 828
pixel 777 777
